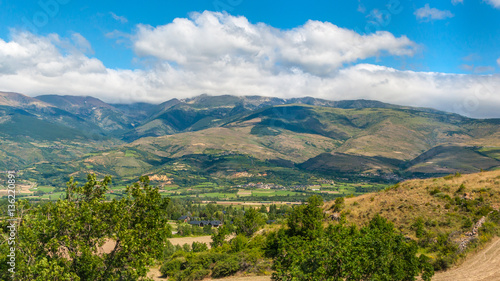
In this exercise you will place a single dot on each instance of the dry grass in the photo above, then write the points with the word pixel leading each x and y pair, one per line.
pixel 189 240
pixel 412 199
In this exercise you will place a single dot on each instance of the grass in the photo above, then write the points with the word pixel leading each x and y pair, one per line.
pixel 427 199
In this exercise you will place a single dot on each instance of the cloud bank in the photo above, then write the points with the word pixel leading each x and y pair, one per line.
pixel 218 54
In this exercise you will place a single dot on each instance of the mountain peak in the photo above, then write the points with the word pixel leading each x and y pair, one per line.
pixel 20 100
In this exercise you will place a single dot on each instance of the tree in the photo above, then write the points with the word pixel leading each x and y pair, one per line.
pixel 307 220
pixel 339 204
pixel 251 221
pixel 66 236
pixel 374 252
pixel 307 251
pixel 219 237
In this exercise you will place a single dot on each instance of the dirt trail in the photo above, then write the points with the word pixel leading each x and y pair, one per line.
pixel 482 266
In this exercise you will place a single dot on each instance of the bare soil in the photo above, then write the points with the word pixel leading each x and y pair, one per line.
pixel 189 240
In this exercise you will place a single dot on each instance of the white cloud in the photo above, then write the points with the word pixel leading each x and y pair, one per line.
pixel 215 39
pixel 121 19
pixel 494 3
pixel 455 2
pixel 427 13
pixel 306 61
pixel 498 61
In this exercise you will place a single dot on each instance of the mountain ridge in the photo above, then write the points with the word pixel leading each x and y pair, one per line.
pixel 343 138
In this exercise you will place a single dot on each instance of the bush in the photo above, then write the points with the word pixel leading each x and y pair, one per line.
pixel 207 229
pixel 225 268
pixel 199 247
pixel 169 250
pixel 238 243
pixel 170 267
pixel 186 247
pixel 461 189
pixel 206 259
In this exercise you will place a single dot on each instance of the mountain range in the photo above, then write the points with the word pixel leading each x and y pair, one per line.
pixel 51 135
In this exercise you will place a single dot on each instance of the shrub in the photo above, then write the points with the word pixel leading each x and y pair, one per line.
pixel 461 189
pixel 169 250
pixel 419 228
pixel 466 223
pixel 198 274
pixel 199 247
pixel 238 243
pixel 206 259
pixel 435 191
pixel 186 247
pixel 225 268
pixel 170 267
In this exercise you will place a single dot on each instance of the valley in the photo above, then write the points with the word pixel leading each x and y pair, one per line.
pixel 217 139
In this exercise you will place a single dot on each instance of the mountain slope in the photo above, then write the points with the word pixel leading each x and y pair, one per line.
pixel 314 135
pixel 205 111
pixel 109 118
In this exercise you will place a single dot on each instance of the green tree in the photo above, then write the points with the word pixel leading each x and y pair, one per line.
pixel 339 204
pixel 62 240
pixel 219 237
pixel 375 252
pixel 249 223
pixel 307 220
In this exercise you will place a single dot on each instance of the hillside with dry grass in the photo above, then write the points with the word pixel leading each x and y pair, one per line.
pixel 448 216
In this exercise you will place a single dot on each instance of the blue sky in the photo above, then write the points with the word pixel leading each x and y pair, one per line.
pixel 442 54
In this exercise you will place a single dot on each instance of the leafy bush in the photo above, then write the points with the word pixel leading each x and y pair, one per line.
pixel 225 268
pixel 170 267
pixel 238 243
pixel 199 247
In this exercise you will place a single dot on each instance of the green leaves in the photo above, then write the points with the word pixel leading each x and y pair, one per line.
pixel 377 251
pixel 66 236
pixel 249 223
pixel 307 220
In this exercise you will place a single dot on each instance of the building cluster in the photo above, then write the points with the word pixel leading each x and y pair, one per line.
pixel 200 223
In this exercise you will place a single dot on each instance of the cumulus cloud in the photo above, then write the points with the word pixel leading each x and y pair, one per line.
pixel 498 61
pixel 494 3
pixel 316 47
pixel 455 2
pixel 238 58
pixel 427 13
pixel 121 19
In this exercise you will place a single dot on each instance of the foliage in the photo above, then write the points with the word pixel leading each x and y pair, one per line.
pixel 306 251
pixel 339 204
pixel 249 223
pixel 242 255
pixel 66 235
pixel 225 268
pixel 219 238
pixel 307 220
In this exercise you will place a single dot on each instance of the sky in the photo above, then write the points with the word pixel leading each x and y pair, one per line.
pixel 442 54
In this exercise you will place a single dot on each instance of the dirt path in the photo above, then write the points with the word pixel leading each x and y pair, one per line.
pixel 483 266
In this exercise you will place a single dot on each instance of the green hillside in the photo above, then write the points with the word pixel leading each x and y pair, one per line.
pixel 354 140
